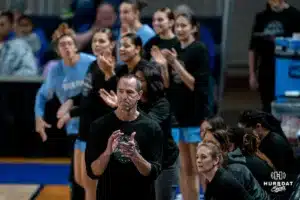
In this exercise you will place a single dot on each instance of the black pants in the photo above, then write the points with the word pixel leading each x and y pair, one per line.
pixel 77 192
pixel 267 92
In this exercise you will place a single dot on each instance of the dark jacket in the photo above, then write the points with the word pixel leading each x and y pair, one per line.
pixel 296 194
pixel 224 186
pixel 237 166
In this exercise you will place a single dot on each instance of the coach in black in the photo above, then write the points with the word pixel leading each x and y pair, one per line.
pixel 125 148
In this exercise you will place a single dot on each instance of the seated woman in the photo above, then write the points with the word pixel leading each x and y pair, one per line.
pixel 236 164
pixel 221 183
pixel 274 144
pixel 247 142
pixel 216 123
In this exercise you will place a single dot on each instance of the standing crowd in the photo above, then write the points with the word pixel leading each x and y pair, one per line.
pixel 123 106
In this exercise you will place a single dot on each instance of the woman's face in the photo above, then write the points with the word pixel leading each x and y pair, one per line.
pixel 128 50
pixel 161 22
pixel 66 47
pixel 140 76
pixel 127 14
pixel 204 127
pixel 205 162
pixel 183 28
pixel 101 43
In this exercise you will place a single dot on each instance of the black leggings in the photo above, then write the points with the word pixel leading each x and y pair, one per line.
pixel 267 93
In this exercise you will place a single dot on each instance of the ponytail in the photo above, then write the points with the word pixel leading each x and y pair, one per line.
pixel 250 118
pixel 251 144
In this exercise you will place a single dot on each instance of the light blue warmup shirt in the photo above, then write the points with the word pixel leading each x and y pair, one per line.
pixel 65 82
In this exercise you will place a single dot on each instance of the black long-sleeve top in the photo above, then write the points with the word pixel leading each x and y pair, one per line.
pixel 89 105
pixel 121 179
pixel 224 186
pixel 190 107
pixel 159 111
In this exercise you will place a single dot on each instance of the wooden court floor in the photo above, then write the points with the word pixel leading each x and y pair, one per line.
pixel 34 192
pixel 28 192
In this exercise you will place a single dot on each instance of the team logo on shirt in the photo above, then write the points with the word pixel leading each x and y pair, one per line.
pixel 87 84
pixel 279 182
pixel 274 28
pixel 119 156
pixel 72 85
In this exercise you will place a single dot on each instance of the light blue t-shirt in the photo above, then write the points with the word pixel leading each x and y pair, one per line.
pixel 65 82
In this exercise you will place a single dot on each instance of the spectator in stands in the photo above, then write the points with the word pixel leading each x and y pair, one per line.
pixel 16 57
pixel 278 19
pixel 24 30
pixel 221 183
pixel 7 24
pixel 105 18
pixel 85 12
pixel 65 80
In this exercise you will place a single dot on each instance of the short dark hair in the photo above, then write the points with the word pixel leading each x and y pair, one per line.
pixel 135 39
pixel 152 75
pixel 9 15
pixel 250 118
pixel 130 76
pixel 217 123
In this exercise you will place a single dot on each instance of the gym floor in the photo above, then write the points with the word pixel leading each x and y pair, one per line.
pixel 39 179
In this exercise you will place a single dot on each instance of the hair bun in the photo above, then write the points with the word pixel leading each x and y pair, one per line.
pixel 63 29
pixel 141 4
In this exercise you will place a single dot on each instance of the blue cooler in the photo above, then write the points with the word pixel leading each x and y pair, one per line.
pixel 287 69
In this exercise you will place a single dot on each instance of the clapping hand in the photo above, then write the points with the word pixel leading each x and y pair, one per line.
pixel 171 56
pixel 110 98
pixel 106 62
pixel 128 149
pixel 113 142
pixel 158 56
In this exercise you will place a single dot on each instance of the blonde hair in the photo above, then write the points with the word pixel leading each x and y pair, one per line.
pixel 215 151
